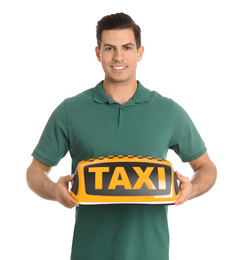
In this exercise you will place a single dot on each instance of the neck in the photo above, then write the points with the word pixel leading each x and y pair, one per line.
pixel 121 92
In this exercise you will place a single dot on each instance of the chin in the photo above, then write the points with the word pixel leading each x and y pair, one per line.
pixel 118 79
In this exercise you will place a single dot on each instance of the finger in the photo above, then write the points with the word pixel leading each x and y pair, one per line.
pixel 71 205
pixel 68 178
pixel 64 197
pixel 64 180
pixel 180 201
pixel 69 201
pixel 179 176
pixel 74 202
pixel 182 178
pixel 177 203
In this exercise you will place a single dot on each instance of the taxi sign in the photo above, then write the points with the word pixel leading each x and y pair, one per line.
pixel 125 180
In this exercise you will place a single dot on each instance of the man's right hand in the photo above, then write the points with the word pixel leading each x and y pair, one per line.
pixel 39 182
pixel 62 194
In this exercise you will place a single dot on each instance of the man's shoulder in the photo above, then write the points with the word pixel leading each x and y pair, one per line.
pixel 168 105
pixel 160 99
pixel 86 95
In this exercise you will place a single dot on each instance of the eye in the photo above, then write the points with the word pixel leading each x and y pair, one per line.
pixel 109 48
pixel 127 48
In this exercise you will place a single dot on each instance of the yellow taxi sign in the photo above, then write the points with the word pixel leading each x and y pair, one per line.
pixel 125 180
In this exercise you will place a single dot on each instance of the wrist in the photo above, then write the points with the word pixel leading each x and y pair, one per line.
pixel 49 188
pixel 195 190
pixel 53 191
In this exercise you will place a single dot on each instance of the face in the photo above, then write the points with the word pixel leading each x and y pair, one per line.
pixel 119 55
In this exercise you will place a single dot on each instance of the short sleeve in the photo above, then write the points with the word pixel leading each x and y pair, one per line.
pixel 186 140
pixel 54 142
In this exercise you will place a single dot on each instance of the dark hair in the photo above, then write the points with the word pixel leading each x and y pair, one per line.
pixel 117 21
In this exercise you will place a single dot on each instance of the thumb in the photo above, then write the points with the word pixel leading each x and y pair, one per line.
pixel 66 179
pixel 179 176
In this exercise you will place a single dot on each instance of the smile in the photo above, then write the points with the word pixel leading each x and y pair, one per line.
pixel 119 68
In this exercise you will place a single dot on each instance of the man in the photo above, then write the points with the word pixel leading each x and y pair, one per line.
pixel 119 116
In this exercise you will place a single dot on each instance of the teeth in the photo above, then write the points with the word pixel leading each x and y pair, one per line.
pixel 118 68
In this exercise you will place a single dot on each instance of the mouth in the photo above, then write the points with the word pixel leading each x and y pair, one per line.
pixel 119 68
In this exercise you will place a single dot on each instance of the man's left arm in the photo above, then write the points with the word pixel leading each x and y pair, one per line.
pixel 204 178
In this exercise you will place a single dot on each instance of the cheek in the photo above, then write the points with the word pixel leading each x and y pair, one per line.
pixel 133 58
pixel 104 64
pixel 105 57
pixel 105 61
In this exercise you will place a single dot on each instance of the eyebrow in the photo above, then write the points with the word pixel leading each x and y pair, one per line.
pixel 126 44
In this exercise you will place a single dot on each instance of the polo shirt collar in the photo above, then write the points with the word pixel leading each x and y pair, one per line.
pixel 142 95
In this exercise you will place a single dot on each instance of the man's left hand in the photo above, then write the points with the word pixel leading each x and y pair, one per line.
pixel 186 188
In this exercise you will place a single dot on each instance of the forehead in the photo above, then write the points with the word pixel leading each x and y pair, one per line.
pixel 118 37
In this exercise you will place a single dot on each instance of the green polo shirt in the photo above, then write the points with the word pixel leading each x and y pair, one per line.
pixel 91 125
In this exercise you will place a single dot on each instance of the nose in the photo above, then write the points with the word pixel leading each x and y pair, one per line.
pixel 118 55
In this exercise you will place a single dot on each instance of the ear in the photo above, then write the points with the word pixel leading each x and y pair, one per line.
pixel 140 52
pixel 97 50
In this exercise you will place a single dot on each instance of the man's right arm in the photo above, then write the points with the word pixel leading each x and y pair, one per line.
pixel 39 181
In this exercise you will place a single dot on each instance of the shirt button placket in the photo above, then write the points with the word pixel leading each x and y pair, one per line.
pixel 120 116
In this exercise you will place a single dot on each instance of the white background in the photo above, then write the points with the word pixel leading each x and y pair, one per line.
pixel 47 54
